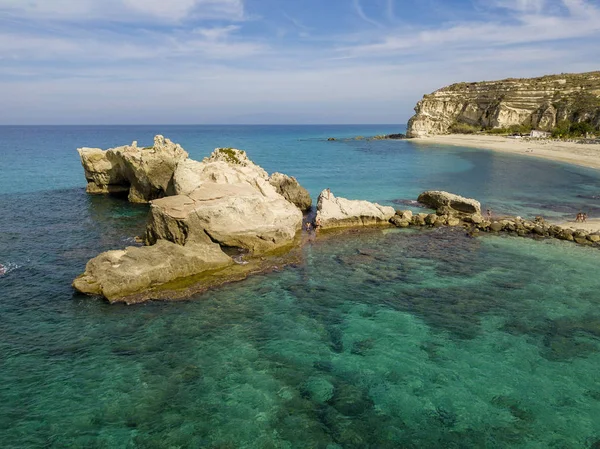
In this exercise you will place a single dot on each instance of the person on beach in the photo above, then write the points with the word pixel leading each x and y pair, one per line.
pixel 579 217
pixel 583 218
pixel 317 223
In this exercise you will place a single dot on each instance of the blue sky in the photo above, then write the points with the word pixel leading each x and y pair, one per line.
pixel 272 61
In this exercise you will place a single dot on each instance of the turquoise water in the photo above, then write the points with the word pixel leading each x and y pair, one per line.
pixel 381 339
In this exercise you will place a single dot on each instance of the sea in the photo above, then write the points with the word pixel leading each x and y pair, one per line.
pixel 381 339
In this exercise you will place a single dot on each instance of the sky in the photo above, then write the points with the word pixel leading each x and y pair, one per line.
pixel 272 61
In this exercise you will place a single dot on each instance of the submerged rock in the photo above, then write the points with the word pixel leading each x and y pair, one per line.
pixel 333 212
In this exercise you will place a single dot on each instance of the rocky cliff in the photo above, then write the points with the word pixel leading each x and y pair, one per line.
pixel 540 103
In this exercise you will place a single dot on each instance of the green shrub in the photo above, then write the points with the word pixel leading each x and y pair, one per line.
pixel 567 129
pixel 463 128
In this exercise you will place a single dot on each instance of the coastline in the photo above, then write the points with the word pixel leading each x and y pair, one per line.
pixel 591 225
pixel 585 155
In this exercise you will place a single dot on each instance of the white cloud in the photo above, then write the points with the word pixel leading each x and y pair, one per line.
pixel 520 5
pixel 217 33
pixel 206 72
pixel 124 10
pixel 581 21
pixel 361 13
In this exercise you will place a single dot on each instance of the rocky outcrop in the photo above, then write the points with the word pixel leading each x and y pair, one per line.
pixel 474 223
pixel 144 173
pixel 333 212
pixel 117 275
pixel 448 202
pixel 225 202
pixel 291 190
pixel 233 215
pixel 540 103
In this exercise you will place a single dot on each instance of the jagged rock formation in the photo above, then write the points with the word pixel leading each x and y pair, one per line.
pixel 225 202
pixel 291 190
pixel 537 102
pixel 145 173
pixel 333 212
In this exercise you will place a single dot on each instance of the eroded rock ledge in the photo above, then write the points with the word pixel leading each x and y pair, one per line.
pixel 454 210
pixel 202 214
pixel 224 218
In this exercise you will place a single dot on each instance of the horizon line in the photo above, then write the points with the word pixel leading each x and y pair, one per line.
pixel 212 124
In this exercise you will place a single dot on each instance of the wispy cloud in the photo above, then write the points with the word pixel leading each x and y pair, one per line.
pixel 582 20
pixel 206 60
pixel 124 10
pixel 361 13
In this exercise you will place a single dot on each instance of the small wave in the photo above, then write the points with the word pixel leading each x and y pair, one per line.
pixel 6 268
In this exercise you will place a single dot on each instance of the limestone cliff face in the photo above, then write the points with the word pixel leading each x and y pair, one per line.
pixel 539 102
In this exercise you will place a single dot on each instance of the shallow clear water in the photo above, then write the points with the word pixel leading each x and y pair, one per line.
pixel 377 339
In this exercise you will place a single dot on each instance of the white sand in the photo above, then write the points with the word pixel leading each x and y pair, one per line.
pixel 586 155
pixel 590 225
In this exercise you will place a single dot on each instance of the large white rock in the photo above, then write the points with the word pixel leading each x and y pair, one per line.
pixel 334 212
pixel 234 215
pixel 224 166
pixel 119 275
pixel 197 208
pixel 146 173
pixel 437 199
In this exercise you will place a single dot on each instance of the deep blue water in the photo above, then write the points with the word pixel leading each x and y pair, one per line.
pixel 384 339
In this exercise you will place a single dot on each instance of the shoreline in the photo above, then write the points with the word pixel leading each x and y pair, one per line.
pixel 583 155
pixel 590 225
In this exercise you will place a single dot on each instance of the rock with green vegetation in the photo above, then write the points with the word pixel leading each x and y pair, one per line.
pixel 144 173
pixel 291 190
pixel 568 103
pixel 223 166
pixel 198 209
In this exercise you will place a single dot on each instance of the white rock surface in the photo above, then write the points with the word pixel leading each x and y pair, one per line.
pixel 116 275
pixel 146 173
pixel 333 212
pixel 234 215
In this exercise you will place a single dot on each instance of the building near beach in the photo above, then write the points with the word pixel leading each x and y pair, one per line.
pixel 539 134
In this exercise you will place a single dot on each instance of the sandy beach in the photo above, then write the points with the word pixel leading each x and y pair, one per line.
pixel 586 155
pixel 591 224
